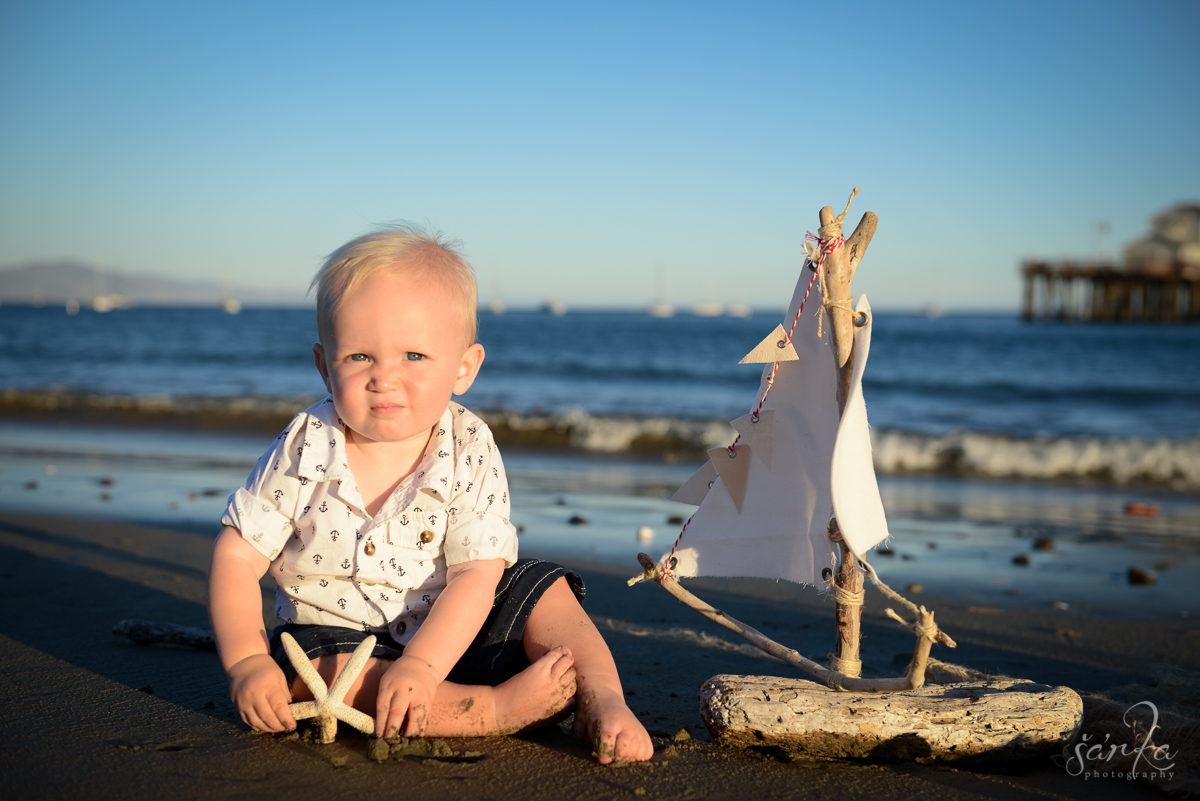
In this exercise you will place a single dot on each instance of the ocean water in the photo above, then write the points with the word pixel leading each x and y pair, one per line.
pixel 974 394
pixel 955 403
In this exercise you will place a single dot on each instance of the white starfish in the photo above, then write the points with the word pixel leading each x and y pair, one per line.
pixel 328 706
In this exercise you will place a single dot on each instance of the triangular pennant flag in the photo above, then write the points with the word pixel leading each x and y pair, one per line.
pixel 760 436
pixel 733 470
pixel 775 348
pixel 696 487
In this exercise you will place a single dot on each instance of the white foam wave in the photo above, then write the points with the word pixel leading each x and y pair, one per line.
pixel 1175 463
pixel 1172 463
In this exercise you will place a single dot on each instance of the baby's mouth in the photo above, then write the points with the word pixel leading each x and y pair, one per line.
pixel 386 408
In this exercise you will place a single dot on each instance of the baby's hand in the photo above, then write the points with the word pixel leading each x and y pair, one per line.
pixel 260 692
pixel 405 698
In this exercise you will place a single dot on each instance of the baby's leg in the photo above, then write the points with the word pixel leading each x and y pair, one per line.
pixel 601 715
pixel 542 692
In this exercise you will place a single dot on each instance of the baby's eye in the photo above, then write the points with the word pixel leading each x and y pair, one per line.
pixel 415 357
pixel 358 357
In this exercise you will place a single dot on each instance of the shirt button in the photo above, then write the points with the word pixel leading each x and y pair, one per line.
pixel 400 627
pixel 369 550
pixel 427 536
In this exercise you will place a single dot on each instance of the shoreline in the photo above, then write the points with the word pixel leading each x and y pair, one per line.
pixel 1128 463
pixel 93 715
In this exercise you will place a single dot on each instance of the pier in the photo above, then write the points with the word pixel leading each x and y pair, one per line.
pixel 1106 292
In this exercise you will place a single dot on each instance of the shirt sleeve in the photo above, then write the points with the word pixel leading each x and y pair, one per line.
pixel 263 510
pixel 479 526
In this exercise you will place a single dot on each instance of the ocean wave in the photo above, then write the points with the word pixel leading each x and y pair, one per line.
pixel 1163 462
pixel 1174 463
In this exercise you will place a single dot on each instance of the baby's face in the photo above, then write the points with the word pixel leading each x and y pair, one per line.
pixel 399 350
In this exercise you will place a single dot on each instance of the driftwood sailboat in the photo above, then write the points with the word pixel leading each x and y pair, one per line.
pixel 795 497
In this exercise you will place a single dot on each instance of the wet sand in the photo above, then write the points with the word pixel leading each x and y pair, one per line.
pixel 91 715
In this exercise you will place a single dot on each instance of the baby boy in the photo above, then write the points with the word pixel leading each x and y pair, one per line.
pixel 383 510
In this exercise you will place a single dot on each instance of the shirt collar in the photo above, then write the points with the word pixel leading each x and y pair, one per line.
pixel 323 458
pixel 323 454
pixel 435 471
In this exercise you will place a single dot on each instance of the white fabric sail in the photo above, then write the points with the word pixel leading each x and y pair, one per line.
pixel 817 464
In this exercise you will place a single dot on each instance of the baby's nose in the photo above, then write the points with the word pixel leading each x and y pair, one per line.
pixel 384 378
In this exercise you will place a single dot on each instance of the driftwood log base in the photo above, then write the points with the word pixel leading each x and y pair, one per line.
pixel 1000 719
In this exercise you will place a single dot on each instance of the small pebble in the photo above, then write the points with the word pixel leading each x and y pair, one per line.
pixel 915 588
pixel 106 481
pixel 675 520
pixel 1139 576
pixel 1138 509
pixel 577 520
pixel 1021 559
pixel 885 552
pixel 645 534
pixel 1043 544
pixel 682 736
pixel 1062 606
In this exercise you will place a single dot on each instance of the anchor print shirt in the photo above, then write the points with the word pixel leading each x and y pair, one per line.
pixel 336 565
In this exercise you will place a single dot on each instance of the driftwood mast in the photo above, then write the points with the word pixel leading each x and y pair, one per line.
pixel 837 272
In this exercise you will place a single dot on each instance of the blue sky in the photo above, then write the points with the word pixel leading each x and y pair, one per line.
pixel 579 150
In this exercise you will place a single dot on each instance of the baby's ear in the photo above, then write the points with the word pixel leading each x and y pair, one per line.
pixel 468 368
pixel 322 363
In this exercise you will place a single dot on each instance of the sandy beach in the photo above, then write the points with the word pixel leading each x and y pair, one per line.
pixel 91 715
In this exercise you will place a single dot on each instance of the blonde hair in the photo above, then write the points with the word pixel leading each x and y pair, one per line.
pixel 401 248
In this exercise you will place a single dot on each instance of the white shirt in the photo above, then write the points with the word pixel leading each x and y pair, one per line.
pixel 336 565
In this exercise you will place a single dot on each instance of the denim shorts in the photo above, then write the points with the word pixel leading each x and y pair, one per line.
pixel 496 655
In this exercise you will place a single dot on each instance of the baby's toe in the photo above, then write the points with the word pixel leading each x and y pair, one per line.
pixel 562 671
pixel 633 746
pixel 606 746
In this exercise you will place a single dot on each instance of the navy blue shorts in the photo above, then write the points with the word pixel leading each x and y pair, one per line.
pixel 495 656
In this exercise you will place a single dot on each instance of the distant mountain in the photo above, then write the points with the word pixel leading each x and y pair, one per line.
pixel 66 282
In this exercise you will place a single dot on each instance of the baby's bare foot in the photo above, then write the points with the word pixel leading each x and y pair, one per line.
pixel 538 694
pixel 603 719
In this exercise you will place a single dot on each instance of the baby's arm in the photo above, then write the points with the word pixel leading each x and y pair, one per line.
pixel 256 684
pixel 407 688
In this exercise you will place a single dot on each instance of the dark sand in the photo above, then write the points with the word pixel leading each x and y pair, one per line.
pixel 90 715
